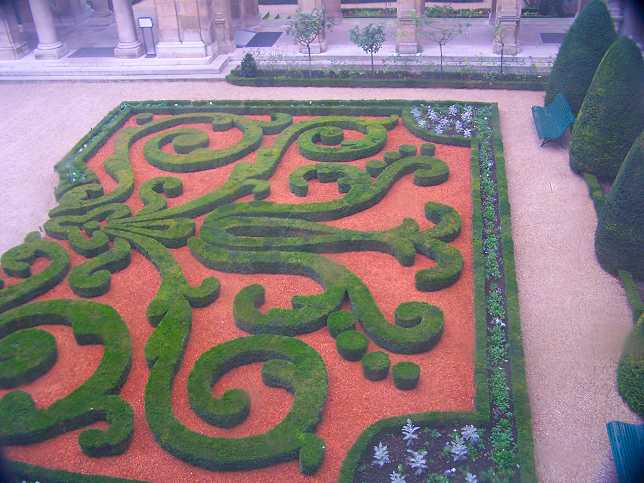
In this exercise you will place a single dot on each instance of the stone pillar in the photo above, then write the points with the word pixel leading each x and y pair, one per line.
pixel 506 35
pixel 129 46
pixel 101 15
pixel 223 26
pixel 249 12
pixel 49 47
pixel 409 14
pixel 186 28
pixel 12 42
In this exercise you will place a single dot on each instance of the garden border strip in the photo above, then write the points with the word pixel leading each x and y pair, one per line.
pixel 73 174
pixel 535 84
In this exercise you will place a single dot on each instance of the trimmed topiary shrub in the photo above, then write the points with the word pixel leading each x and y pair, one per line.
pixel 340 321
pixel 427 149
pixel 352 344
pixel 612 114
pixel 630 372
pixel 580 53
pixel 248 66
pixel 375 365
pixel 620 232
pixel 406 375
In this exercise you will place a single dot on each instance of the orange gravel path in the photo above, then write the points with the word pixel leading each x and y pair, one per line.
pixel 353 402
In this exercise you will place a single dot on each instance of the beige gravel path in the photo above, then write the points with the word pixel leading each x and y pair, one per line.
pixel 574 315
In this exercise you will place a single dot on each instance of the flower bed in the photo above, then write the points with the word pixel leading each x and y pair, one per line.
pixel 175 226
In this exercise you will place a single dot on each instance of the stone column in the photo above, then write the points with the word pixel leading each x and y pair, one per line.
pixel 129 46
pixel 250 13
pixel 506 35
pixel 101 15
pixel 12 42
pixel 409 14
pixel 49 47
pixel 223 22
pixel 186 28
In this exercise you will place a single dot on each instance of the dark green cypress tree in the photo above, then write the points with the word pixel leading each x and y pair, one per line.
pixel 612 115
pixel 580 53
pixel 619 239
pixel 630 372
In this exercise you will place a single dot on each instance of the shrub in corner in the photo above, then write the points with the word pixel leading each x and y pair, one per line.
pixel 580 53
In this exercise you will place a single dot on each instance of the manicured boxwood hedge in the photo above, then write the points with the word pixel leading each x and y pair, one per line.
pixel 581 51
pixel 318 78
pixel 630 372
pixel 375 365
pixel 612 114
pixel 405 375
pixel 619 239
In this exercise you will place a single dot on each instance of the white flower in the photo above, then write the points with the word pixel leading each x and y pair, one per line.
pixel 458 125
pixel 433 115
pixel 470 478
pixel 421 122
pixel 457 449
pixel 396 477
pixel 470 433
pixel 409 432
pixel 453 109
pixel 438 130
pixel 380 455
pixel 466 116
pixel 467 133
pixel 417 461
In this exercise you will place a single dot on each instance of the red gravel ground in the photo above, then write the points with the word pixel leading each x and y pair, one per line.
pixel 353 402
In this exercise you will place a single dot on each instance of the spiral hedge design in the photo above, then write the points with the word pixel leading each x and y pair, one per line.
pixel 236 235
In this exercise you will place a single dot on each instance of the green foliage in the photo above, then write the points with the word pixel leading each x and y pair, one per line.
pixel 31 352
pixel 340 321
pixel 406 375
pixel 580 53
pixel 612 114
pixel 370 39
pixel 620 231
pixel 307 28
pixel 630 372
pixel 351 344
pixel 248 66
pixel 375 365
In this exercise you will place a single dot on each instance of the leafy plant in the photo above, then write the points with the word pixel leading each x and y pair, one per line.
pixel 410 432
pixel 457 449
pixel 397 477
pixel 441 34
pixel 470 434
pixel 248 67
pixel 370 39
pixel 380 455
pixel 417 461
pixel 307 28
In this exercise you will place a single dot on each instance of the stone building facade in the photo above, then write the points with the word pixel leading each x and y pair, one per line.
pixel 198 29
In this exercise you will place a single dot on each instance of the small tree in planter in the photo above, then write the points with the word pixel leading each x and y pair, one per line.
pixel 441 33
pixel 307 28
pixel 369 39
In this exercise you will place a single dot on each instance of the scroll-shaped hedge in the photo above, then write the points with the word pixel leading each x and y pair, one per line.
pixel 17 263
pixel 289 364
pixel 92 278
pixel 325 143
pixel 95 400
pixel 191 147
pixel 416 337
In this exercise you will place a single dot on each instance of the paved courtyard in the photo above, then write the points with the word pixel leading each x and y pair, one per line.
pixel 575 316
